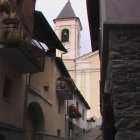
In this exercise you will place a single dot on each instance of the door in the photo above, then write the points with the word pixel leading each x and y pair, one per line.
pixel 30 125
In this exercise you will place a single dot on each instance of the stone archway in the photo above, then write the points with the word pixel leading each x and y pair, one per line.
pixel 34 121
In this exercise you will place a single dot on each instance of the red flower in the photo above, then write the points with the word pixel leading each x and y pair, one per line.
pixel 74 112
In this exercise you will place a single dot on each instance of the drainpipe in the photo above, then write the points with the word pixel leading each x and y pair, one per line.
pixel 75 51
pixel 25 104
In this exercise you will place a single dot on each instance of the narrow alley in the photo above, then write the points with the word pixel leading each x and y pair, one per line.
pixel 93 134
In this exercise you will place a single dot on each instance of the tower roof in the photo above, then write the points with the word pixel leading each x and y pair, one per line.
pixel 67 12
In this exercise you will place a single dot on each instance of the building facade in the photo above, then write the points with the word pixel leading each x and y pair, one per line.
pixel 28 108
pixel 115 29
pixel 84 70
pixel 78 125
pixel 44 91
pixel 17 59
pixel 88 82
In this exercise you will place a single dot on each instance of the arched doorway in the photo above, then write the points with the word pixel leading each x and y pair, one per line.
pixel 34 120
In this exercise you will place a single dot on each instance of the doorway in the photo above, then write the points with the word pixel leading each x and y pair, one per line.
pixel 34 121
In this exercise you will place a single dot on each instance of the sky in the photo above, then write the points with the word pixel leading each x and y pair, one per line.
pixel 51 9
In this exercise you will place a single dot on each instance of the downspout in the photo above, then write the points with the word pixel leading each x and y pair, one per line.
pixel 75 51
pixel 25 104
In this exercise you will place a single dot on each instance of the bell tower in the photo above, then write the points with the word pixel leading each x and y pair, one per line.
pixel 67 28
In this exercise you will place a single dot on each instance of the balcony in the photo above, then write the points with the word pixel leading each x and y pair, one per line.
pixel 64 94
pixel 17 44
pixel 28 58
pixel 62 91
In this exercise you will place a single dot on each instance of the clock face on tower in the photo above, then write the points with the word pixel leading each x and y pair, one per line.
pixel 65 35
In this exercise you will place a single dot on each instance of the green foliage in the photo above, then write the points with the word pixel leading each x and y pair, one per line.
pixel 70 81
pixel 74 112
pixel 92 119
pixel 60 84
pixel 14 40
pixel 79 115
pixel 7 6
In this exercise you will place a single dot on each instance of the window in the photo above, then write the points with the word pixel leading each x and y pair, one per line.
pixel 65 35
pixel 59 107
pixel 77 105
pixel 58 133
pixel 83 114
pixel 7 88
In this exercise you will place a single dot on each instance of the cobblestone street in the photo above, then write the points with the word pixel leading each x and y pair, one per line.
pixel 93 134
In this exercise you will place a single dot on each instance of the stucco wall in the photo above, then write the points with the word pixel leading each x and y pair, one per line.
pixel 53 119
pixel 12 109
pixel 86 74
pixel 70 65
pixel 87 80
pixel 73 46
pixel 79 122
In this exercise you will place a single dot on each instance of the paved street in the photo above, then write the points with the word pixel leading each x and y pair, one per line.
pixel 94 134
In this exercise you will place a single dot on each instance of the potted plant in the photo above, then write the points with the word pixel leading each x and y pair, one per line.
pixel 79 115
pixel 74 112
pixel 14 40
pixel 60 83
pixel 7 6
pixel 92 119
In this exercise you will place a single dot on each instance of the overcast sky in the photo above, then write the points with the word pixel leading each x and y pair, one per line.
pixel 51 9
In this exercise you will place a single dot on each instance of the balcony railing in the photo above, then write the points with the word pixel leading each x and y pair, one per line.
pixel 62 91
pixel 64 94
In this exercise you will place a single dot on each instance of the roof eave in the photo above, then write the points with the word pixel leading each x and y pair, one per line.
pixel 52 40
pixel 77 18
pixel 93 19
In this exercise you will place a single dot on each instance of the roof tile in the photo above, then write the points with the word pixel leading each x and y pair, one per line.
pixel 67 12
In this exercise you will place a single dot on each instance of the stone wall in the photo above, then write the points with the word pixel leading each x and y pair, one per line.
pixel 123 81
